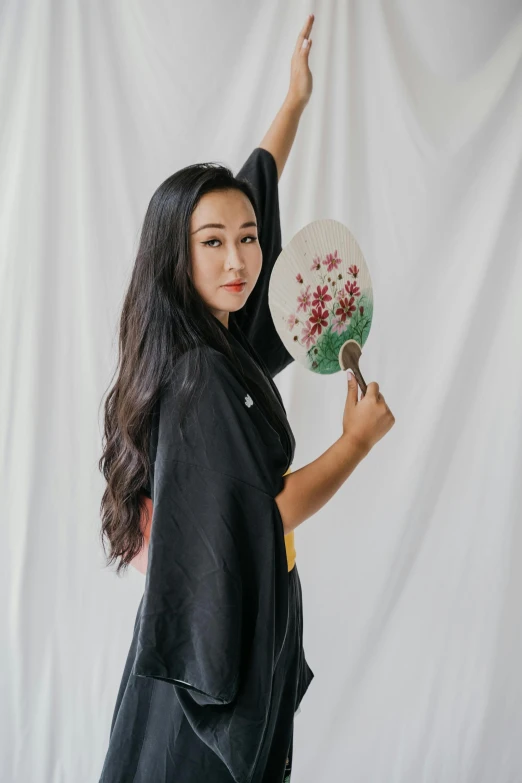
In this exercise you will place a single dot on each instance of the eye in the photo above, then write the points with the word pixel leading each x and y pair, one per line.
pixel 218 240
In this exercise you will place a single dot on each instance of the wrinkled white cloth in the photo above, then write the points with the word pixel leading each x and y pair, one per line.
pixel 413 570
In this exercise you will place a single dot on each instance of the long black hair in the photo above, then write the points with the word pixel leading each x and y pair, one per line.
pixel 163 316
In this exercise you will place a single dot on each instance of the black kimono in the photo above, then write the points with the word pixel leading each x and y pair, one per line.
pixel 216 668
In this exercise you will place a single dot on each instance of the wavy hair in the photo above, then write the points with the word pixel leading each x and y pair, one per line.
pixel 162 317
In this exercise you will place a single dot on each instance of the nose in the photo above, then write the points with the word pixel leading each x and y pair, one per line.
pixel 234 260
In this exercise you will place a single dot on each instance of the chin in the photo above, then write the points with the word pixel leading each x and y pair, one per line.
pixel 239 305
pixel 234 302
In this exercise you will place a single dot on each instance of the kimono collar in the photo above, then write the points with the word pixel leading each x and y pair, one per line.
pixel 256 374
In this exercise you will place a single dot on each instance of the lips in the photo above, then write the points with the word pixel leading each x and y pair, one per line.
pixel 235 282
pixel 235 288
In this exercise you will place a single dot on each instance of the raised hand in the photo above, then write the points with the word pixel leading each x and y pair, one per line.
pixel 301 80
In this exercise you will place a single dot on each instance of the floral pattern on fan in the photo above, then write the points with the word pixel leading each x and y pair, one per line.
pixel 332 299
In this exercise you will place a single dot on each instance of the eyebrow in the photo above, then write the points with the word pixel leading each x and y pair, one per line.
pixel 220 225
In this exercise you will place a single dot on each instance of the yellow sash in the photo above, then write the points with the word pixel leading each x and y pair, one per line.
pixel 289 542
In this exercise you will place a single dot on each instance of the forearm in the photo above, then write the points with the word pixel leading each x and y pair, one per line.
pixel 308 489
pixel 281 134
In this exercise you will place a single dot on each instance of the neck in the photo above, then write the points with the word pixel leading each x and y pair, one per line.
pixel 222 316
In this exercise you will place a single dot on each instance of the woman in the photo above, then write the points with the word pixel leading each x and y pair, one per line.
pixel 216 668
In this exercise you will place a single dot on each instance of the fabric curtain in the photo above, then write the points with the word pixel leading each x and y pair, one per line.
pixel 412 573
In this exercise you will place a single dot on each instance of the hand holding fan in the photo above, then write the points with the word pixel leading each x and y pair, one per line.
pixel 321 299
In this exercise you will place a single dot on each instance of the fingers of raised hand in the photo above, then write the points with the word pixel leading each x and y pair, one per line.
pixel 305 32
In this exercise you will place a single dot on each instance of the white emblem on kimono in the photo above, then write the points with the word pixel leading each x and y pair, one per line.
pixel 248 401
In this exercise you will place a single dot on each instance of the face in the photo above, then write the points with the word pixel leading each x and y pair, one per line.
pixel 222 254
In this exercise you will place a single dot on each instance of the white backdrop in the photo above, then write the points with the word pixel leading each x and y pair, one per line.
pixel 412 574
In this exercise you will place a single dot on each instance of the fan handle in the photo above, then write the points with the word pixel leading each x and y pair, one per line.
pixel 349 356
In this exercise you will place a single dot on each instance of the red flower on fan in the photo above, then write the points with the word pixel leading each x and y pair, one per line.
pixel 338 327
pixel 303 300
pixel 332 261
pixel 346 308
pixel 307 337
pixel 299 277
pixel 352 288
pixel 320 296
pixel 354 270
pixel 316 264
pixel 318 320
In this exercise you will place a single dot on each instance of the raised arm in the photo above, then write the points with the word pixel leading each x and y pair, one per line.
pixel 280 136
pixel 262 169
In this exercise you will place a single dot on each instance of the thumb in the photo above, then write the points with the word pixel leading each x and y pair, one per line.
pixel 352 387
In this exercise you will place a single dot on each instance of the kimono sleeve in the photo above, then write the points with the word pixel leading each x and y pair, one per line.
pixel 213 610
pixel 255 319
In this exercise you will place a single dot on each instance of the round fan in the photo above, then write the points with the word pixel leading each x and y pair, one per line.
pixel 321 298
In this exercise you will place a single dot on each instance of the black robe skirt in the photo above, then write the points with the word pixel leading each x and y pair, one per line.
pixel 216 668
